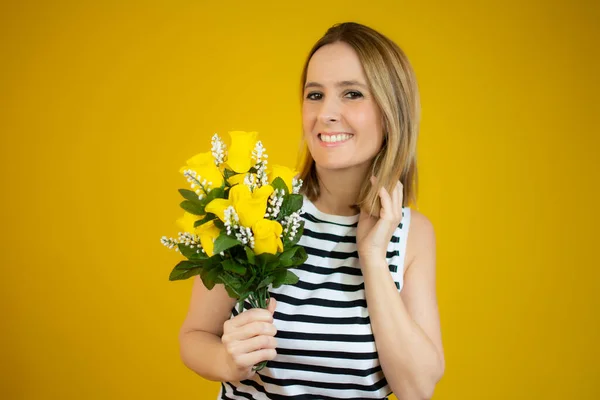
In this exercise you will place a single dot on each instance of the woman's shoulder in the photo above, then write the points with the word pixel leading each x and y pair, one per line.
pixel 421 235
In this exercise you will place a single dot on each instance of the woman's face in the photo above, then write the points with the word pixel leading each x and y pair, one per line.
pixel 341 121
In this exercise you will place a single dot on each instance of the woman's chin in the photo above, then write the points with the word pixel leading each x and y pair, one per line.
pixel 333 165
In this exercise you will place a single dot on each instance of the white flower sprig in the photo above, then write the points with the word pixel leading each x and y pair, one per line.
pixel 200 187
pixel 232 220
pixel 232 224
pixel 260 156
pixel 275 201
pixel 251 181
pixel 296 185
pixel 291 225
pixel 185 238
pixel 245 236
pixel 218 149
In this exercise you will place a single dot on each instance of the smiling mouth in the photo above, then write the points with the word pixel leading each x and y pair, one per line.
pixel 340 137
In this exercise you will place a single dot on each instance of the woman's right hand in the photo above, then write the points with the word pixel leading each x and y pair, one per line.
pixel 249 338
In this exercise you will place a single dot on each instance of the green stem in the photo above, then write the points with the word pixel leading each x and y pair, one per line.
pixel 258 299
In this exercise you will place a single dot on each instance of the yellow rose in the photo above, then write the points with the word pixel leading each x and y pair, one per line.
pixel 250 207
pixel 217 207
pixel 267 236
pixel 186 223
pixel 239 178
pixel 285 173
pixel 204 165
pixel 208 232
pixel 239 156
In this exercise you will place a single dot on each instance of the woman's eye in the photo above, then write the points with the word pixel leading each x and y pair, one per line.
pixel 354 94
pixel 314 96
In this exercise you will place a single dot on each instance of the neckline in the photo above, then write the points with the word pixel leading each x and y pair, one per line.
pixel 310 207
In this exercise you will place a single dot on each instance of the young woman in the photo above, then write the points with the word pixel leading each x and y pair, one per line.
pixel 362 322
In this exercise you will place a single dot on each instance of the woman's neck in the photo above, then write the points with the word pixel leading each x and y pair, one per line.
pixel 339 190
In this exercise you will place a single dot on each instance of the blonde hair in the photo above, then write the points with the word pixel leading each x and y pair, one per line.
pixel 393 84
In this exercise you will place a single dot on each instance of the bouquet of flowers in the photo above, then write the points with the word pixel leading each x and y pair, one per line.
pixel 241 221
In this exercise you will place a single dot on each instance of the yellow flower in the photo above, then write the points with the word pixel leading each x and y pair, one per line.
pixel 239 178
pixel 239 156
pixel 250 207
pixel 208 232
pixel 253 209
pixel 267 236
pixel 285 173
pixel 204 165
pixel 186 223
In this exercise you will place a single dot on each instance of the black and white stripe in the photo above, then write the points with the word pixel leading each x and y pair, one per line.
pixel 326 348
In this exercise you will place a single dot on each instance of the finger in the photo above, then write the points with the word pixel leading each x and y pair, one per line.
pixel 397 200
pixel 248 331
pixel 254 314
pixel 251 359
pixel 257 343
pixel 387 209
pixel 272 305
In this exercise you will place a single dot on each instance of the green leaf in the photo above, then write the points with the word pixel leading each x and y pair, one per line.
pixel 180 274
pixel 185 269
pixel 290 278
pixel 187 264
pixel 266 282
pixel 278 183
pixel 266 258
pixel 189 195
pixel 191 254
pixel 284 277
pixel 216 193
pixel 224 242
pixel 295 255
pixel 291 203
pixel 229 173
pixel 232 266
pixel 232 293
pixel 192 207
pixel 232 285
pixel 211 276
pixel 219 224
pixel 288 254
pixel 250 255
pixel 207 218
pixel 266 261
pixel 248 285
pixel 300 257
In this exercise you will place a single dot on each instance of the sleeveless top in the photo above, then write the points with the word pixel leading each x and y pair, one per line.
pixel 325 345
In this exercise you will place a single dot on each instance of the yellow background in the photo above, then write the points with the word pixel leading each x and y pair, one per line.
pixel 102 102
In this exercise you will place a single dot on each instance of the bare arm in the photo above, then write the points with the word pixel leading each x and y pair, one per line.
pixel 200 343
pixel 406 327
pixel 219 348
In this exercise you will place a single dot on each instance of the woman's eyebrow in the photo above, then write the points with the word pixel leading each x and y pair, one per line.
pixel 338 84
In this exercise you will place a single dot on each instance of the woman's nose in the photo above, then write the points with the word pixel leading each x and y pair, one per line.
pixel 330 111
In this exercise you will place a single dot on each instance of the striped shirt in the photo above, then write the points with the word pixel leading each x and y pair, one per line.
pixel 325 345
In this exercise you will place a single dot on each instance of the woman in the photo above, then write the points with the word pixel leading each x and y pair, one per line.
pixel 362 322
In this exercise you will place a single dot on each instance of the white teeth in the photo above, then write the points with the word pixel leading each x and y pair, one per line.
pixel 335 138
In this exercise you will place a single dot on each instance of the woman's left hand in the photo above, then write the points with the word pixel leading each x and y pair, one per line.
pixel 374 234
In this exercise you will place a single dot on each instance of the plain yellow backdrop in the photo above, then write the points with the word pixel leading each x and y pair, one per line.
pixel 102 102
